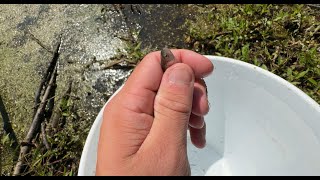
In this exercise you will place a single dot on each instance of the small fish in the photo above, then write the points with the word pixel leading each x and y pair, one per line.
pixel 167 59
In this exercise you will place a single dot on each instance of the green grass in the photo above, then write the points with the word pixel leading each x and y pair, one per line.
pixel 284 39
pixel 66 147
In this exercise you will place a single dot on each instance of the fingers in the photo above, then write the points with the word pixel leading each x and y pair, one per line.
pixel 196 122
pixel 200 104
pixel 172 106
pixel 143 82
pixel 145 79
pixel 198 136
pixel 200 108
pixel 201 65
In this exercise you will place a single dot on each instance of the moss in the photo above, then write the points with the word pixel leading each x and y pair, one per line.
pixel 17 85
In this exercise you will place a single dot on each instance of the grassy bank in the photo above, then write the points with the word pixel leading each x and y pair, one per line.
pixel 284 39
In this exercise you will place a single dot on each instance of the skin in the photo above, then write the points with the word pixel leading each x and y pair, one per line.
pixel 145 125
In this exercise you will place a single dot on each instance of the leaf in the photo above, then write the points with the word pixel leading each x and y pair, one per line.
pixel 69 103
pixel 70 173
pixel 66 114
pixel 5 139
pixel 289 72
pixel 278 18
pixel 137 47
pixel 280 60
pixel 256 62
pixel 269 23
pixel 245 52
pixel 218 54
pixel 301 74
pixel 295 83
pixel 264 67
pixel 64 104
pixel 312 81
pixel 266 51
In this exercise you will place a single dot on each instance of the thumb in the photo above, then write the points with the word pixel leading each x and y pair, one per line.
pixel 173 105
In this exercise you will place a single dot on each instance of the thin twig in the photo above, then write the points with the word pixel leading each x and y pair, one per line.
pixel 73 97
pixel 54 162
pixel 314 5
pixel 55 120
pixel 108 65
pixel 44 136
pixel 223 33
pixel 39 42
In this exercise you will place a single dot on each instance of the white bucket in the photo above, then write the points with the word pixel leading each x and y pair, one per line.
pixel 258 124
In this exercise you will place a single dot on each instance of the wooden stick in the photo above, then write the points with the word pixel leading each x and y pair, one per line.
pixel 44 136
pixel 47 76
pixel 51 100
pixel 34 129
pixel 38 117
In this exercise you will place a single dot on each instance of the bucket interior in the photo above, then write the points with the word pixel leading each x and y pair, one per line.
pixel 258 124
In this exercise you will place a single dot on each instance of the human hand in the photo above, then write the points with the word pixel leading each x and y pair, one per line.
pixel 145 125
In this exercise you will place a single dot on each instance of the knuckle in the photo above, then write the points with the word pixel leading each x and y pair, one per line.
pixel 172 104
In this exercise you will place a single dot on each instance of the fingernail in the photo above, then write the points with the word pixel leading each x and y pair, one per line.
pixel 180 75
